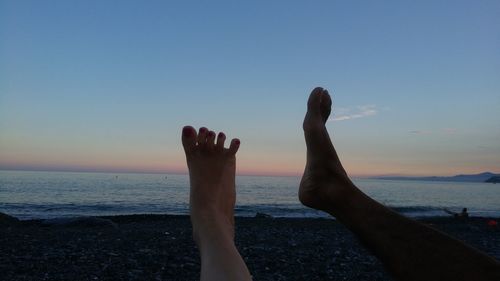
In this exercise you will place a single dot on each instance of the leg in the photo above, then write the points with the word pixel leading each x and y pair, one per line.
pixel 212 197
pixel 409 250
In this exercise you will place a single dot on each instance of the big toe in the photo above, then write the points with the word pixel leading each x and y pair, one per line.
pixel 314 102
pixel 318 109
pixel 188 139
pixel 325 105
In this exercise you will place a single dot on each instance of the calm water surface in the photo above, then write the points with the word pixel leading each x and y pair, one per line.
pixel 61 194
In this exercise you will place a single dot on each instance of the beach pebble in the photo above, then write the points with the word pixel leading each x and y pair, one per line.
pixel 7 219
pixel 263 216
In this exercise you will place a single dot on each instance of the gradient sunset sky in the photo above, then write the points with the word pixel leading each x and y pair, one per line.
pixel 108 85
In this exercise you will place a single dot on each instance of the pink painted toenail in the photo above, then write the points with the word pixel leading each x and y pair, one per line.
pixel 187 132
pixel 221 135
pixel 211 134
pixel 237 142
pixel 203 130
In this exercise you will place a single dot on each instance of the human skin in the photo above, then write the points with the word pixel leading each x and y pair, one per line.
pixel 212 197
pixel 408 249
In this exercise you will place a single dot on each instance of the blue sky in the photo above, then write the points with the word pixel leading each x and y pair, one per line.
pixel 108 85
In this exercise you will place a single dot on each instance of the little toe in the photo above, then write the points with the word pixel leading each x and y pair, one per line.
pixel 188 138
pixel 202 136
pixel 210 140
pixel 233 147
pixel 221 138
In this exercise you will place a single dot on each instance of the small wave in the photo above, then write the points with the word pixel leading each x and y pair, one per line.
pixel 43 211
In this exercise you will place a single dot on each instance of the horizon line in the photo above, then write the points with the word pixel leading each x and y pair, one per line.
pixel 132 171
pixel 173 172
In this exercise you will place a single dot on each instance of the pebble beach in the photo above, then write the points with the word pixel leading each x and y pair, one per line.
pixel 160 247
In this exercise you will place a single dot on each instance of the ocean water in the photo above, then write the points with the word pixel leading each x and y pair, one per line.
pixel 28 195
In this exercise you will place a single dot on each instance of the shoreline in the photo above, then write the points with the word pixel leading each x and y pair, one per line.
pixel 160 247
pixel 151 216
pixel 416 213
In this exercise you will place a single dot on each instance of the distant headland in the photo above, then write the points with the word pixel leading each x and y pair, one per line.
pixel 493 179
pixel 482 177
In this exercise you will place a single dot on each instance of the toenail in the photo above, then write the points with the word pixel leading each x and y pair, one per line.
pixel 211 134
pixel 221 135
pixel 187 132
pixel 237 142
pixel 203 130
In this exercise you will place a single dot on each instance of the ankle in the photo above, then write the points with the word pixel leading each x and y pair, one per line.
pixel 344 197
pixel 206 228
pixel 210 237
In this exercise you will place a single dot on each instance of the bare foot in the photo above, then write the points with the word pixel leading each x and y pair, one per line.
pixel 212 179
pixel 324 180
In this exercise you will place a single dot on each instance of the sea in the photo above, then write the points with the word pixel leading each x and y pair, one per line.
pixel 43 195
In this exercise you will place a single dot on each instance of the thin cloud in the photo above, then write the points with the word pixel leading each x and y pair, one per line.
pixel 449 131
pixel 358 112
pixel 421 132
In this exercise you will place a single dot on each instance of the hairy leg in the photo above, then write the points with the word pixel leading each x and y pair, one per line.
pixel 212 197
pixel 408 249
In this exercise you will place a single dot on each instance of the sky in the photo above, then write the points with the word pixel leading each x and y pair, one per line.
pixel 108 85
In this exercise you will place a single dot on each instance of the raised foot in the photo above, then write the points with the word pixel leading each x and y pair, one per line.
pixel 212 181
pixel 325 181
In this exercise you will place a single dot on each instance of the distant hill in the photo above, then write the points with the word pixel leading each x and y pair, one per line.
pixel 482 177
pixel 493 179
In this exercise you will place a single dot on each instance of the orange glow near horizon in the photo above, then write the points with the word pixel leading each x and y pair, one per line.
pixel 250 161
pixel 245 167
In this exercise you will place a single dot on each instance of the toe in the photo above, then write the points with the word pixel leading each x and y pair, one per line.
pixel 188 138
pixel 210 140
pixel 202 136
pixel 220 141
pixel 314 102
pixel 326 105
pixel 314 118
pixel 233 147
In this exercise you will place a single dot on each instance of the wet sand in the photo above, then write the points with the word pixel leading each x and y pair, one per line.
pixel 160 247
